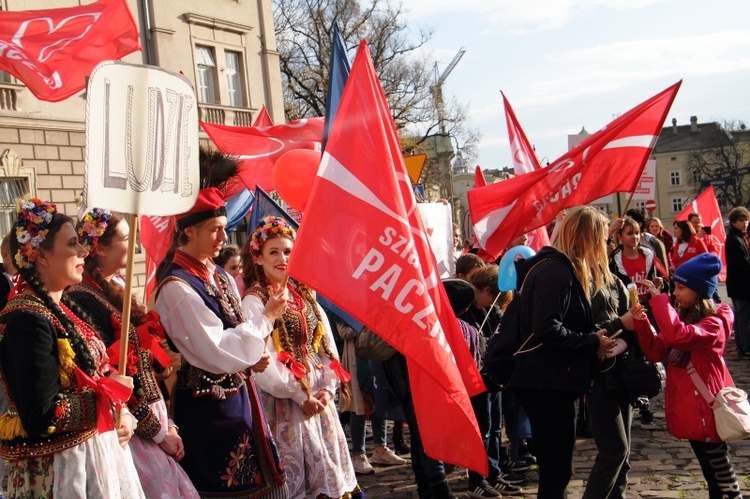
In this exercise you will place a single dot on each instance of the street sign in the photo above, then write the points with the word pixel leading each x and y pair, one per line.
pixel 719 181
pixel 650 205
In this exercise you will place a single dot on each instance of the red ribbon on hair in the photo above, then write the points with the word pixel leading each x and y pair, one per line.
pixel 108 391
pixel 19 286
pixel 297 368
pixel 341 373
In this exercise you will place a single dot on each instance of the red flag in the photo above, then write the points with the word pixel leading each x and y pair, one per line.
pixel 479 180
pixel 708 208
pixel 258 147
pixel 608 161
pixel 52 51
pixel 362 244
pixel 524 161
pixel 263 118
pixel 156 238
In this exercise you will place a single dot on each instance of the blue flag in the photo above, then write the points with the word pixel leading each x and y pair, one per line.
pixel 263 206
pixel 237 208
pixel 339 73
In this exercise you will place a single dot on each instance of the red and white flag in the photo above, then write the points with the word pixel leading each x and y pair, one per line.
pixel 363 245
pixel 479 180
pixel 258 147
pixel 708 207
pixel 611 160
pixel 52 51
pixel 524 161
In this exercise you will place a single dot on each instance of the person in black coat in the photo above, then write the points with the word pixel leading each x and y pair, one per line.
pixel 555 306
pixel 738 275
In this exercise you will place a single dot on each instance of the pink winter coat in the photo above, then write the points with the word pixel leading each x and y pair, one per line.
pixel 688 414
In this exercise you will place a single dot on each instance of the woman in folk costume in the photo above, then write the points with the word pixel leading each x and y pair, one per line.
pixel 58 434
pixel 156 445
pixel 229 451
pixel 299 385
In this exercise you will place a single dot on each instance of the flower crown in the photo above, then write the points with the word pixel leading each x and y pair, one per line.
pixel 91 227
pixel 34 216
pixel 268 228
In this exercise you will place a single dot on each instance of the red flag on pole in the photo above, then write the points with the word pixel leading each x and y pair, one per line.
pixel 611 160
pixel 708 207
pixel 52 51
pixel 156 238
pixel 363 245
pixel 258 147
pixel 479 180
pixel 524 161
pixel 263 118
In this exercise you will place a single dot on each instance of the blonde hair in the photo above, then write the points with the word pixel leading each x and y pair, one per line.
pixel 582 238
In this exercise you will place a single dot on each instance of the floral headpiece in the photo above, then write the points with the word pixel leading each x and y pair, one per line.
pixel 268 228
pixel 91 227
pixel 34 216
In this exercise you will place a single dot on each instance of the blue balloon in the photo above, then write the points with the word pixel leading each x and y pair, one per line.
pixel 506 273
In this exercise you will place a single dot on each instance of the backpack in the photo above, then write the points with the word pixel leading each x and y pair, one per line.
pixel 509 340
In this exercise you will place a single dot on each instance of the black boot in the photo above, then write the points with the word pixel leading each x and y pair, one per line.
pixel 399 442
pixel 441 489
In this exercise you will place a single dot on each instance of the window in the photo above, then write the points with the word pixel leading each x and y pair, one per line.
pixel 677 204
pixel 640 206
pixel 696 176
pixel 10 189
pixel 674 178
pixel 5 77
pixel 673 158
pixel 206 63
pixel 234 78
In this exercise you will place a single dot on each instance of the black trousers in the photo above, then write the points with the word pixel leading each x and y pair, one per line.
pixel 553 424
pixel 717 469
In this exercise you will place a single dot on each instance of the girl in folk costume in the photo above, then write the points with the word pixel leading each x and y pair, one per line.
pixel 229 451
pixel 692 338
pixel 58 434
pixel 634 263
pixel 156 445
pixel 299 385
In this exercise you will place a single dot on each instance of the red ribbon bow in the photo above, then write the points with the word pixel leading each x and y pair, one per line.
pixel 108 392
pixel 297 368
pixel 341 373
pixel 149 334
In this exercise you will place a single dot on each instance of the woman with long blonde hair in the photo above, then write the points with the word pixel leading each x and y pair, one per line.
pixel 560 359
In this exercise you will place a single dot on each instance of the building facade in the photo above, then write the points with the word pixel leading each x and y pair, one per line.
pixel 226 48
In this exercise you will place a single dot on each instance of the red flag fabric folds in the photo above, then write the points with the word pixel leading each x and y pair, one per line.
pixel 363 245
pixel 611 160
pixel 52 51
pixel 258 147
pixel 524 161
pixel 708 208
pixel 479 180
pixel 156 238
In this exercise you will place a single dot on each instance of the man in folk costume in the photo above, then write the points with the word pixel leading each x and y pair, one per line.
pixel 229 450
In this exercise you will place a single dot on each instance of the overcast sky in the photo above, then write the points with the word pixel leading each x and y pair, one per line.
pixel 570 63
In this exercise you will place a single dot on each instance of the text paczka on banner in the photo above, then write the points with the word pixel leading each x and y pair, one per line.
pixel 362 244
pixel 53 50
pixel 611 160
pixel 141 140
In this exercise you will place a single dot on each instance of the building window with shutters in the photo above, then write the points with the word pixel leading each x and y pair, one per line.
pixel 206 67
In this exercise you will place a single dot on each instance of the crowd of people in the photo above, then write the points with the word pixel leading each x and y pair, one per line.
pixel 237 383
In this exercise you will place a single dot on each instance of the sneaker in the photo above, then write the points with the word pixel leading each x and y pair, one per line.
pixel 513 478
pixel 482 490
pixel 507 489
pixel 361 465
pixel 518 466
pixel 386 457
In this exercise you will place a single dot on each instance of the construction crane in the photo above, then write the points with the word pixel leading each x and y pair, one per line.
pixel 437 89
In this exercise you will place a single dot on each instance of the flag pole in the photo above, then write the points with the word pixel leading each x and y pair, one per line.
pixel 627 205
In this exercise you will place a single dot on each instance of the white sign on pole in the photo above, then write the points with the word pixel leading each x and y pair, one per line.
pixel 646 188
pixel 437 221
pixel 141 140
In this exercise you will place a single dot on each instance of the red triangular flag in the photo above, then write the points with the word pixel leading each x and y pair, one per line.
pixel 708 208
pixel 363 245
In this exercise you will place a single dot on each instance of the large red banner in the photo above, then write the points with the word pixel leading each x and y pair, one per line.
pixel 52 51
pixel 362 244
pixel 707 207
pixel 611 160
